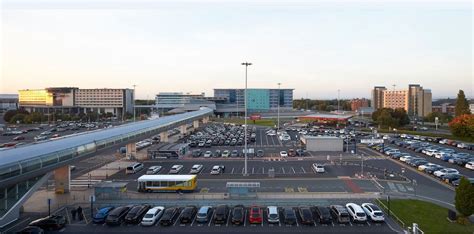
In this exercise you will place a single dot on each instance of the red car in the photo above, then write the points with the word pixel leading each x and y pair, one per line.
pixel 255 215
pixel 19 138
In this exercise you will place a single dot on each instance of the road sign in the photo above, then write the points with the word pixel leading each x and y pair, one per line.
pixel 371 141
pixel 92 198
pixel 49 201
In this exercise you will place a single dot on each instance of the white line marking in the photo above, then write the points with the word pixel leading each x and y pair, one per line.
pixel 294 172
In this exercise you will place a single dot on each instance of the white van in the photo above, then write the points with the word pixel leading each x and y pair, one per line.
pixel 134 168
pixel 176 169
pixel 153 170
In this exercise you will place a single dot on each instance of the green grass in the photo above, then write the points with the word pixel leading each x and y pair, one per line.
pixel 430 217
pixel 260 122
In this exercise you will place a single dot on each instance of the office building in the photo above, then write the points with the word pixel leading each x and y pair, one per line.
pixel 357 103
pixel 258 100
pixel 395 99
pixel 177 102
pixel 445 108
pixel 115 101
pixel 8 102
pixel 71 100
pixel 377 97
pixel 415 100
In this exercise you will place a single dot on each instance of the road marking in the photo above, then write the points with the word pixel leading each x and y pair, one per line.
pixel 179 216
pixel 263 170
pixel 409 188
pixel 401 188
pixel 228 218
pixel 204 190
pixel 232 172
pixel 302 189
pixel 242 170
pixel 368 223
pixel 195 217
pixel 283 169
pixel 293 169
pixel 289 190
pixel 253 170
pixel 392 186
pixel 212 217
pixel 303 170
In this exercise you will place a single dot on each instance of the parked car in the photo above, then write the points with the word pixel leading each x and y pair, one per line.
pixel 323 214
pixel 319 168
pixel 445 171
pixel 238 215
pixel 283 154
pixel 448 178
pixel 169 216
pixel 152 215
pixel 255 215
pixel 204 214
pixel 208 154
pixel 221 213
pixel 175 169
pixel 260 153
pixel 289 216
pixel 136 213
pixel 31 230
pixel 272 214
pixel 306 215
pixel 100 216
pixel 117 215
pixel 53 222
pixel 153 170
pixel 356 212
pixel 217 169
pixel 187 214
pixel 340 214
pixel 225 154
pixel 196 168
pixel 470 165
pixel 373 212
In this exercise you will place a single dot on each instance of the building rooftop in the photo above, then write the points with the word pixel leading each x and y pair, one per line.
pixel 327 116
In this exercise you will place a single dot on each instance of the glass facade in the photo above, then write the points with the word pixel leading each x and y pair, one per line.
pixel 258 99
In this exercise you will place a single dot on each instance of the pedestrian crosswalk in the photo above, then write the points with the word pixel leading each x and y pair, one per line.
pixel 400 188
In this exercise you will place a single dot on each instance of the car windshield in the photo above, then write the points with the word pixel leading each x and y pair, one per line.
pixel 273 216
pixel 361 214
pixel 255 215
pixel 380 214
pixel 149 216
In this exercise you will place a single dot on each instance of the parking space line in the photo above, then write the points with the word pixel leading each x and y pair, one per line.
pixel 179 216
pixel 242 171
pixel 212 217
pixel 263 170
pixel 350 223
pixel 368 223
pixel 245 217
pixel 232 172
pixel 283 169
pixel 253 168
pixel 195 217
pixel 303 170
pixel 294 172
pixel 228 218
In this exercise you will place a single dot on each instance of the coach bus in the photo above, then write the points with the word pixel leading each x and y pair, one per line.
pixel 167 183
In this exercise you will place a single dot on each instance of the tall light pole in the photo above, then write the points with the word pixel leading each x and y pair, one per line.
pixel 278 109
pixel 246 64
pixel 134 103
pixel 338 93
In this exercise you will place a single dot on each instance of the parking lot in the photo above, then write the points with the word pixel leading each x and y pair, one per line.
pixel 211 226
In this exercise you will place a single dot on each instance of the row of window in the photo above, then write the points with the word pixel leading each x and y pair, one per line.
pixel 169 183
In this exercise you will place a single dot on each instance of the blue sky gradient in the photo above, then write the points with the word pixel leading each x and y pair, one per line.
pixel 315 47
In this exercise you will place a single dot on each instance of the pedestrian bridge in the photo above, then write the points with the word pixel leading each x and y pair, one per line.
pixel 23 169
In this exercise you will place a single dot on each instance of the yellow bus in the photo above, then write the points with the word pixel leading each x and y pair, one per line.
pixel 167 183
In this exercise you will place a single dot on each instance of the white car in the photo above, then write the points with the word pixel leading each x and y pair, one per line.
pixel 196 169
pixel 271 133
pixel 356 212
pixel 153 170
pixel 319 168
pixel 373 212
pixel 470 165
pixel 431 152
pixel 217 169
pixel 405 158
pixel 208 154
pixel 462 145
pixel 423 167
pixel 175 169
pixel 283 154
pixel 153 215
pixel 445 171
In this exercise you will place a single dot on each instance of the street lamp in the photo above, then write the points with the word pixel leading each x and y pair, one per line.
pixel 246 64
pixel 134 103
pixel 278 108
pixel 338 92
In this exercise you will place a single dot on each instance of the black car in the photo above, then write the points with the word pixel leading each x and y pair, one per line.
pixel 220 215
pixel 54 222
pixel 169 216
pixel 289 216
pixel 136 214
pixel 449 178
pixel 187 214
pixel 238 214
pixel 306 215
pixel 117 215
pixel 323 214
pixel 31 230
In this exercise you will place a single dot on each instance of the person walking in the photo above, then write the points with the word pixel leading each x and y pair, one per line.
pixel 79 213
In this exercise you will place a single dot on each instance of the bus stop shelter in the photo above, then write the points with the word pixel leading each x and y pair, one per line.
pixel 242 189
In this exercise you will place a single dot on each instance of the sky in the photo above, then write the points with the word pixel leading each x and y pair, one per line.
pixel 314 47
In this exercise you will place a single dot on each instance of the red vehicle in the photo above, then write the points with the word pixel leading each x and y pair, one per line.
pixel 255 215
pixel 291 153
pixel 19 138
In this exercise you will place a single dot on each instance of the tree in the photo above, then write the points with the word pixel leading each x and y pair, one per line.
pixel 18 118
pixel 463 126
pixel 401 116
pixel 462 106
pixel 386 120
pixel 442 117
pixel 464 199
pixel 9 115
